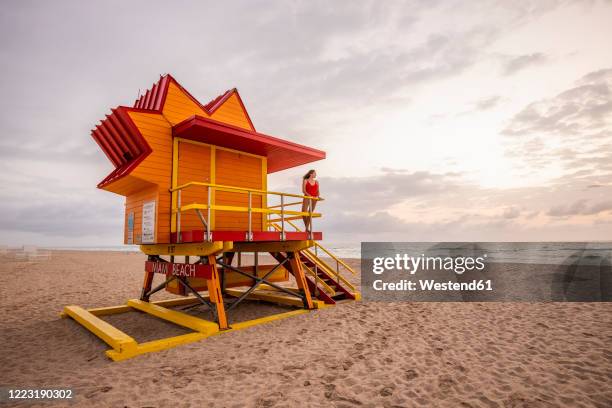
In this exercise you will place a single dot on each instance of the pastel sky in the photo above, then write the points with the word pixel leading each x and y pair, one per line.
pixel 442 120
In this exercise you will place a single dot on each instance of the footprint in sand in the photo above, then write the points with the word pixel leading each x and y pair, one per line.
pixel 410 374
pixel 386 391
pixel 446 382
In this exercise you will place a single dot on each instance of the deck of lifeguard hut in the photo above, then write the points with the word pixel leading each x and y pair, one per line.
pixel 195 178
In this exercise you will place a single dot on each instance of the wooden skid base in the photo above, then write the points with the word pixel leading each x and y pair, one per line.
pixel 125 346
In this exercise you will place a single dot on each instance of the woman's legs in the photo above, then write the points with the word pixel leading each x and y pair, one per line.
pixel 307 219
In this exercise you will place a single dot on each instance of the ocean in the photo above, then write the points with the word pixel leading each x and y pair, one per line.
pixel 512 252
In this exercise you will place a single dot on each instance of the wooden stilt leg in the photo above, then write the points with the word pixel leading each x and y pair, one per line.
pixel 214 291
pixel 146 285
pixel 298 272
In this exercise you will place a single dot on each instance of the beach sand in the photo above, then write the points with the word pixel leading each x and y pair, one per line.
pixel 355 354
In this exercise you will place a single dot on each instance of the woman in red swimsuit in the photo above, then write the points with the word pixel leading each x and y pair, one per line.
pixel 310 187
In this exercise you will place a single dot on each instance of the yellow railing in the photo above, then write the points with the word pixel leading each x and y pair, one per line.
pixel 280 210
pixel 334 257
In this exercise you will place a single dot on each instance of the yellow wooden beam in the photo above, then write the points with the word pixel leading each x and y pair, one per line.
pixel 267 319
pixel 233 208
pixel 111 310
pixel 274 220
pixel 264 186
pixel 265 286
pixel 213 179
pixel 190 249
pixel 182 301
pixel 182 319
pixel 222 187
pixel 112 336
pixel 175 162
pixel 271 246
pixel 157 345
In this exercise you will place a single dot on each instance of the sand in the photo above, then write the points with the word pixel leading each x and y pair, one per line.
pixel 355 354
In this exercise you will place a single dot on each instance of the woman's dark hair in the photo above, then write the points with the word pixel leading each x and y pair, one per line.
pixel 308 174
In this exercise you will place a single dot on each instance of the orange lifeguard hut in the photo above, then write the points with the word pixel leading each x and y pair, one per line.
pixel 195 181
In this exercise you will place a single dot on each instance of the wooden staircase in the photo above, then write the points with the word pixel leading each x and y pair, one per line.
pixel 324 283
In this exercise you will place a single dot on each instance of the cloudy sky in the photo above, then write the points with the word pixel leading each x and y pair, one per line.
pixel 482 121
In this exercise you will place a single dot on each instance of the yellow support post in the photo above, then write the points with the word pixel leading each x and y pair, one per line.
pixel 298 273
pixel 214 292
pixel 213 180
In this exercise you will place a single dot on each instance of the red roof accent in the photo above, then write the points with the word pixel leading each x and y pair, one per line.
pixel 153 99
pixel 122 142
pixel 281 154
pixel 212 105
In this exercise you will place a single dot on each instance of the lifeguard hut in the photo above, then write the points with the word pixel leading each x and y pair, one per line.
pixel 195 181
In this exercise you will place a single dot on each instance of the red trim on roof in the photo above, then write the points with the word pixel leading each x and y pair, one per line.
pixel 154 98
pixel 212 105
pixel 281 154
pixel 106 149
pixel 117 135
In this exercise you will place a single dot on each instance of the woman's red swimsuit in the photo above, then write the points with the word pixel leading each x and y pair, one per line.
pixel 312 189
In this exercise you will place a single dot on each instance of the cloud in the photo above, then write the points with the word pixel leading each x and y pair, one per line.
pixel 584 108
pixel 572 130
pixel 427 206
pixel 380 192
pixel 515 64
pixel 580 207
pixel 68 218
pixel 511 212
pixel 487 103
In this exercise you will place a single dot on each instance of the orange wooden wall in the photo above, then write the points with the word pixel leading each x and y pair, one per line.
pixel 194 165
pixel 155 168
pixel 133 204
pixel 239 170
pixel 152 178
pixel 179 106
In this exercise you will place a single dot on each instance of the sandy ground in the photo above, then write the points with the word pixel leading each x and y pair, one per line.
pixel 355 354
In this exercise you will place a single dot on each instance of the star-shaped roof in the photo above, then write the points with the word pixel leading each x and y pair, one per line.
pixel 223 121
